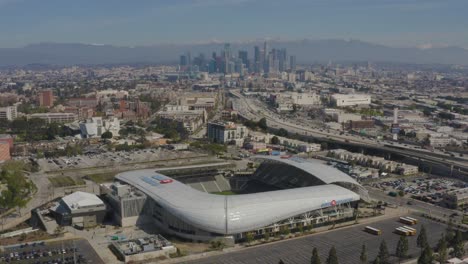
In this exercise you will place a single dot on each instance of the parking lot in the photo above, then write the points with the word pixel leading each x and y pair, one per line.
pixel 91 160
pixel 348 243
pixel 426 189
pixel 66 252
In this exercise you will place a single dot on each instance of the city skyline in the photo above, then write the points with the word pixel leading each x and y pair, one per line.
pixel 265 60
pixel 420 23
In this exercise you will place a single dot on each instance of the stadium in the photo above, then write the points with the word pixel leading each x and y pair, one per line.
pixel 304 193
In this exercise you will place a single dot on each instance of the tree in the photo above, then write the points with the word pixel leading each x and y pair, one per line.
pixel 402 248
pixel 266 236
pixel 332 257
pixel 300 228
pixel 294 110
pixel 458 245
pixel 376 260
pixel 249 238
pixel 363 256
pixel 427 112
pixel 324 145
pixel 450 232
pixel 383 256
pixel 442 250
pixel 282 132
pixel 422 238
pixel 275 140
pixel 262 124
pixel 315 257
pixel 285 230
pixel 426 256
pixel 107 135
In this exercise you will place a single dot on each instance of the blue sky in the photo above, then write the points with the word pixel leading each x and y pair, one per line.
pixel 146 22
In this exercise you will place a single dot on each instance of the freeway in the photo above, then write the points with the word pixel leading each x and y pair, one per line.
pixel 250 110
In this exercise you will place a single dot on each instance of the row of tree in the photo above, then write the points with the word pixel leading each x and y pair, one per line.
pixel 261 124
pixel 33 129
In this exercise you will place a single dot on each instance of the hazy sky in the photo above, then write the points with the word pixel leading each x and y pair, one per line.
pixel 146 22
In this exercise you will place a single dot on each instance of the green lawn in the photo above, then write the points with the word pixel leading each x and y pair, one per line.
pixel 102 177
pixel 64 181
pixel 226 193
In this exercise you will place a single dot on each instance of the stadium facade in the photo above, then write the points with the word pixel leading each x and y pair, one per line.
pixel 183 211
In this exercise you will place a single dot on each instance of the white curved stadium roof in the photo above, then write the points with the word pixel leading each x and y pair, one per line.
pixel 235 213
pixel 323 172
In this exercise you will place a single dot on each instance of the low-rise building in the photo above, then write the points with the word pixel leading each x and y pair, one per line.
pixel 442 141
pixel 79 209
pixel 226 132
pixel 96 126
pixel 55 117
pixel 199 101
pixel 309 147
pixel 340 116
pixel 8 113
pixel 191 120
pixel 374 162
pixel 5 138
pixel 457 199
pixel 341 100
pixel 4 152
pixel 143 249
pixel 407 169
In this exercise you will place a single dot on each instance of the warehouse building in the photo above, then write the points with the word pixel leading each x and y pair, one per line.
pixel 351 99
pixel 79 209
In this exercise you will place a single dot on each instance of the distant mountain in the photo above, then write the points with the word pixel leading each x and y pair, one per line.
pixel 307 51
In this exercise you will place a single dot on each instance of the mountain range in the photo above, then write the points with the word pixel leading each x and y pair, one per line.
pixel 306 51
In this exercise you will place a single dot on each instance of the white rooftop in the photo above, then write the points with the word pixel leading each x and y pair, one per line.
pixel 78 200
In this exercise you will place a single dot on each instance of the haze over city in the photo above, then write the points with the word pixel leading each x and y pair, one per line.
pixel 397 23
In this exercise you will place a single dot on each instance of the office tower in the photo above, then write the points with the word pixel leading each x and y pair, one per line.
pixel 282 61
pixel 46 98
pixel 238 66
pixel 265 50
pixel 212 66
pixel 213 55
pixel 189 59
pixel 257 59
pixel 292 63
pixel 243 55
pixel 227 57
pixel 183 60
pixel 200 62
pixel 230 67
pixel 227 51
